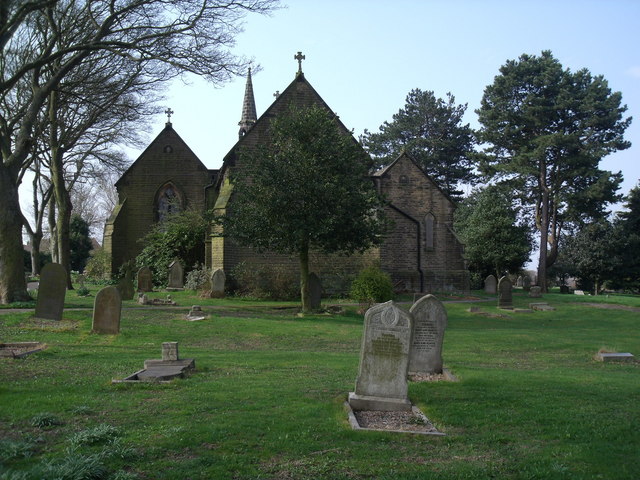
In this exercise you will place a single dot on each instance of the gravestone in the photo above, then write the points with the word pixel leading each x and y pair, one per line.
pixel 526 283
pixel 535 292
pixel 384 360
pixel 51 292
pixel 218 280
pixel 81 280
pixel 169 351
pixel 505 298
pixel 145 280
pixel 429 323
pixel 106 311
pixel 315 291
pixel 176 275
pixel 142 299
pixel 490 285
pixel 519 281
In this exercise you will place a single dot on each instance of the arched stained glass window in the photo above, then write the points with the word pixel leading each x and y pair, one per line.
pixel 168 201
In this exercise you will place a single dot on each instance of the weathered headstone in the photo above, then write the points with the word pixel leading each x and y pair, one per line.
pixel 429 324
pixel 106 311
pixel 51 292
pixel 490 285
pixel 176 275
pixel 315 291
pixel 384 360
pixel 169 351
pixel 218 280
pixel 526 283
pixel 505 298
pixel 145 280
pixel 519 281
pixel 535 292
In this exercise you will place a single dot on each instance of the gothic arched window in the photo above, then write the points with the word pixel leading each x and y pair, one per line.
pixel 429 227
pixel 168 201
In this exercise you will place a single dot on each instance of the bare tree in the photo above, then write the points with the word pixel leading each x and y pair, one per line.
pixel 165 39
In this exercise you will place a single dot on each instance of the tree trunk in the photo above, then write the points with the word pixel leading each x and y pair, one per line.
pixel 13 287
pixel 53 236
pixel 544 233
pixel 304 279
pixel 36 240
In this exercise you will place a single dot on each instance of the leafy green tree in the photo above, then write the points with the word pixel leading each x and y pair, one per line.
pixel 593 253
pixel 308 188
pixel 430 129
pixel 79 243
pixel 628 224
pixel 181 236
pixel 547 129
pixel 487 224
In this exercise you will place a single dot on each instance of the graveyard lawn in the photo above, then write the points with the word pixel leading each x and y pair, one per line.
pixel 266 399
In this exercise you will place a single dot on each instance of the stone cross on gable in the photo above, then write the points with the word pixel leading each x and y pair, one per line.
pixel 277 94
pixel 299 57
pixel 169 112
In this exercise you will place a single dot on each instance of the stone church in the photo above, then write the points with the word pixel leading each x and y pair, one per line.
pixel 421 251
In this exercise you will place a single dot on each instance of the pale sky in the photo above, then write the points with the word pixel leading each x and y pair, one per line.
pixel 364 56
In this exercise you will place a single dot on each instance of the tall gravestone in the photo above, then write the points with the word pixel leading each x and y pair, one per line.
pixel 526 283
pixel 491 285
pixel 429 324
pixel 315 291
pixel 107 308
pixel 176 275
pixel 145 280
pixel 519 281
pixel 384 360
pixel 218 280
pixel 51 292
pixel 505 297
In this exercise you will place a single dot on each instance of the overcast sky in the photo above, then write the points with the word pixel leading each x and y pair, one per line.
pixel 364 56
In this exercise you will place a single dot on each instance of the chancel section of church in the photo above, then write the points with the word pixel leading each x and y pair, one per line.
pixel 166 178
pixel 420 252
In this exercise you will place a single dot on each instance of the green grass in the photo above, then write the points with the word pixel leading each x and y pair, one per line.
pixel 266 398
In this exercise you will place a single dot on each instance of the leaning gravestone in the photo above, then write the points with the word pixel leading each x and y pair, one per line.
pixel 505 298
pixel 315 291
pixel 145 280
pixel 176 275
pixel 218 280
pixel 106 311
pixel 384 360
pixel 490 285
pixel 429 323
pixel 526 283
pixel 51 292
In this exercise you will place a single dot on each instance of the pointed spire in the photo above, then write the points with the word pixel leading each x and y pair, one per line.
pixel 249 115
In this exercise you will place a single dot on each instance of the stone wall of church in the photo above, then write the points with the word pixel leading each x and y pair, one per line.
pixel 420 210
pixel 168 160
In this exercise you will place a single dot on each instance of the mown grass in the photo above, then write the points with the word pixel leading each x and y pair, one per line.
pixel 266 399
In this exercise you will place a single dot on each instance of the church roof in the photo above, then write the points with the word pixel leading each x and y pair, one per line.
pixel 299 93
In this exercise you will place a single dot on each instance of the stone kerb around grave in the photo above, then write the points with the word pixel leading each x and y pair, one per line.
pixel 384 360
pixel 107 309
pixel 51 292
pixel 429 324
pixel 491 285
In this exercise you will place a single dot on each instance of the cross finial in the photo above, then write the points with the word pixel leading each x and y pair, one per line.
pixel 169 112
pixel 277 94
pixel 299 57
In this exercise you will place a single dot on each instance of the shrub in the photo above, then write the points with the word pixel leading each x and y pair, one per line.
pixel 98 266
pixel 372 285
pixel 45 419
pixel 199 278
pixel 272 283
pixel 99 434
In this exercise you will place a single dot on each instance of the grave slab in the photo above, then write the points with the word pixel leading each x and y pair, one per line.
pixel 615 357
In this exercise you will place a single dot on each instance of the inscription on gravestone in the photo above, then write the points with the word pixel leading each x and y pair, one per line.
pixel 429 324
pixel 51 292
pixel 384 359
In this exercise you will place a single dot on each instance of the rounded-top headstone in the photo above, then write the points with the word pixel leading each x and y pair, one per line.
pixel 218 280
pixel 107 308
pixel 429 324
pixel 145 280
pixel 491 285
pixel 51 292
pixel 176 275
pixel 505 296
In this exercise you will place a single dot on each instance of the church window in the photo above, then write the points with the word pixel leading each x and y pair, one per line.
pixel 168 149
pixel 168 201
pixel 404 180
pixel 429 224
